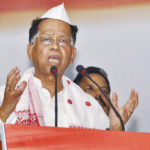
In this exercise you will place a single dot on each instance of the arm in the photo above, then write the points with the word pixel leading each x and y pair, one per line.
pixel 12 94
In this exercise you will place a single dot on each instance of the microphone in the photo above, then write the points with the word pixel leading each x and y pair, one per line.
pixel 81 70
pixel 54 71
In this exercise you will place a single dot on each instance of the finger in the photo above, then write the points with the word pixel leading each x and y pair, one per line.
pixel 115 100
pixel 131 98
pixel 20 89
pixel 132 93
pixel 8 77
pixel 130 105
pixel 134 96
pixel 14 82
pixel 132 102
pixel 137 99
pixel 11 73
pixel 125 116
pixel 13 79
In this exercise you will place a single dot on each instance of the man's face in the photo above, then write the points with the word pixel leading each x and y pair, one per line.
pixel 50 47
pixel 93 90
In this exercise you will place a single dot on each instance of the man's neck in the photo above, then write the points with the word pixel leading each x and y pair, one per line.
pixel 48 82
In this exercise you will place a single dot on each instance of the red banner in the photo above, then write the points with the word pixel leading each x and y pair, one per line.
pixel 47 138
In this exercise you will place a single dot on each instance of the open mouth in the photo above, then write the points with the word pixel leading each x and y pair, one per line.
pixel 54 59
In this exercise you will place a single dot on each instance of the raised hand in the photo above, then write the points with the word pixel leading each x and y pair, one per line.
pixel 125 111
pixel 12 94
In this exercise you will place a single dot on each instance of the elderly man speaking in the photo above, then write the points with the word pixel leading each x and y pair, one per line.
pixel 30 99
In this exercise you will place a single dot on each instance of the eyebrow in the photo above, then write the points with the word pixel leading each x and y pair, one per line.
pixel 53 34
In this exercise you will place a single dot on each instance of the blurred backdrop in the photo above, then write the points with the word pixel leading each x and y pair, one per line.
pixel 113 35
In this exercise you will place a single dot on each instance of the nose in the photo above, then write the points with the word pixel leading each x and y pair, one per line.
pixel 55 45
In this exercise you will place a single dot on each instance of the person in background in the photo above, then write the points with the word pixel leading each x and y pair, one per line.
pixel 101 78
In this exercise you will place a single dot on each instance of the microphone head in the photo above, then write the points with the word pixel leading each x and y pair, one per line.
pixel 53 69
pixel 80 69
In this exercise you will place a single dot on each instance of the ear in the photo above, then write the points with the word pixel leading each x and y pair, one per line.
pixel 73 55
pixel 29 51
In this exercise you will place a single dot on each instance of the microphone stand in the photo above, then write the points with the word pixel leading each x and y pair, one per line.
pixel 54 71
pixel 56 104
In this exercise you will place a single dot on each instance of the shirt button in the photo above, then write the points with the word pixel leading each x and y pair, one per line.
pixel 88 103
pixel 69 101
pixel 68 82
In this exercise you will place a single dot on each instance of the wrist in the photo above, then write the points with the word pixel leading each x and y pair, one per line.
pixel 115 127
pixel 3 115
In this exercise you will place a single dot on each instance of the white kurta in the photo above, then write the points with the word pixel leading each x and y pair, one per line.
pixel 75 107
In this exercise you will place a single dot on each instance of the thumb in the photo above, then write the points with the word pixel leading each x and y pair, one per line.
pixel 115 100
pixel 20 89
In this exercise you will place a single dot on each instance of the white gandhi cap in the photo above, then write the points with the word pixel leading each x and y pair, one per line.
pixel 57 12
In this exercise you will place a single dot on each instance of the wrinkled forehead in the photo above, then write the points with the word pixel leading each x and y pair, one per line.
pixel 54 27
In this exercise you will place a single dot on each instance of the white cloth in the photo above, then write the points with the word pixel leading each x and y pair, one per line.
pixel 75 107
